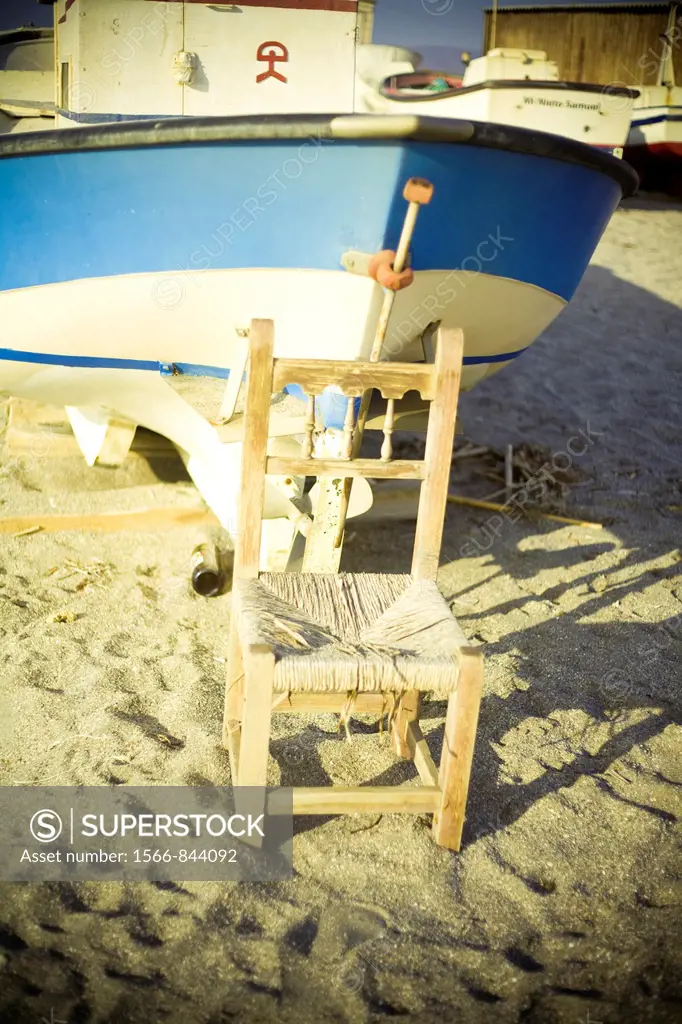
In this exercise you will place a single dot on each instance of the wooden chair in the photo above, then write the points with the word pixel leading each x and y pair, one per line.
pixel 369 642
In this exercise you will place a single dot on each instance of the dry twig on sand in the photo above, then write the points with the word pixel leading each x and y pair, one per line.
pixel 95 573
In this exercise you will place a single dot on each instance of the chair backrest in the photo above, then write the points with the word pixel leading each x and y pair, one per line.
pixel 437 383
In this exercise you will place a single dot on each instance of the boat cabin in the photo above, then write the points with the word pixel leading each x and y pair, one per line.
pixel 515 65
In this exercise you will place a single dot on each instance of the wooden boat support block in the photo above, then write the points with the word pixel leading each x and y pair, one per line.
pixel 102 438
pixel 356 800
pixel 36 431
pixel 322 554
pixel 401 469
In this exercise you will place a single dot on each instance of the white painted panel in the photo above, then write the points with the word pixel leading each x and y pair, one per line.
pixel 319 69
pixel 66 57
pixel 599 119
pixel 497 314
pixel 514 64
pixel 178 317
pixel 126 56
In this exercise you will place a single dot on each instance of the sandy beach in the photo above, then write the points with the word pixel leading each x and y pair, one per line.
pixel 565 904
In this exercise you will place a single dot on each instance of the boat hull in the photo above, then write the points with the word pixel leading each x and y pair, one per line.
pixel 121 263
pixel 162 254
pixel 70 327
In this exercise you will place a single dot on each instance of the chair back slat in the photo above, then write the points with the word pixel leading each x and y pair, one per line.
pixel 392 380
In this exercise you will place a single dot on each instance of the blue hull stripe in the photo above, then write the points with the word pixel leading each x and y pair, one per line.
pixel 185 369
pixel 284 204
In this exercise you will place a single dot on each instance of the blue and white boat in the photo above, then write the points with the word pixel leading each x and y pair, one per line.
pixel 518 87
pixel 132 251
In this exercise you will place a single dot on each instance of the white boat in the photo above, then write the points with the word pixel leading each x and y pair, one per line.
pixel 507 86
pixel 27 80
pixel 654 145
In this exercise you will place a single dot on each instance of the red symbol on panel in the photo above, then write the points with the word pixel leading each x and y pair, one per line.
pixel 273 53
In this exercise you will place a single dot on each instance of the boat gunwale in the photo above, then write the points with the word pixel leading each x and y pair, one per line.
pixel 165 132
pixel 517 83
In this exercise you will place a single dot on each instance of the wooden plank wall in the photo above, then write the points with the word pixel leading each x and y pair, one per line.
pixel 602 47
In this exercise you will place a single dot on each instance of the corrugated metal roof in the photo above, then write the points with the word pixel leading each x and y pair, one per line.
pixel 544 8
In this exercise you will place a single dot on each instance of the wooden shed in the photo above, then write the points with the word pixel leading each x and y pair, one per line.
pixel 605 44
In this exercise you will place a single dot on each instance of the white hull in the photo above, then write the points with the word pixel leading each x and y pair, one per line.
pixel 195 318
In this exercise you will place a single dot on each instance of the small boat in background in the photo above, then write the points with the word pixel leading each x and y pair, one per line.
pixel 27 80
pixel 520 88
pixel 654 145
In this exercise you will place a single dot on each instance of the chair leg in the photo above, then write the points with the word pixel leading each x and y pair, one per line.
pixel 251 793
pixel 259 674
pixel 233 703
pixel 458 752
pixel 408 711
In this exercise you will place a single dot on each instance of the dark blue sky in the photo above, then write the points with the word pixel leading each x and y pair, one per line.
pixel 21 12
pixel 439 29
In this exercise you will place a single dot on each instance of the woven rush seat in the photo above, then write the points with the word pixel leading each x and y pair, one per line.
pixel 363 632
